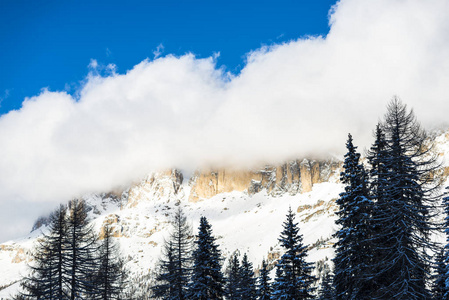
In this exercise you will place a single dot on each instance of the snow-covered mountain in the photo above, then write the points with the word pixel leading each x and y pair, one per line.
pixel 245 207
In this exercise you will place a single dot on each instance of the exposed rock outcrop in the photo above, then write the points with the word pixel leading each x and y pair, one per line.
pixel 292 177
pixel 165 185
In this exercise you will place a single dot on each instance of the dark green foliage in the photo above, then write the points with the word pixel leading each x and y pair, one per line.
pixel 175 265
pixel 326 291
pixel 233 289
pixel 439 278
pixel 404 208
pixel 443 262
pixel 354 247
pixel 264 288
pixel 207 281
pixel 293 274
pixel 247 279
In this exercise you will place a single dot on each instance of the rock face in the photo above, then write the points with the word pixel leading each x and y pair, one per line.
pixel 292 177
pixel 208 184
pixel 161 185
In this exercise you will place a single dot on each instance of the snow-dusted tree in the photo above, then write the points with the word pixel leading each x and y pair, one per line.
pixel 47 277
pixel 403 264
pixel 233 278
pixel 175 265
pixel 80 263
pixel 445 259
pixel 111 275
pixel 248 281
pixel 326 291
pixel 354 247
pixel 207 281
pixel 165 277
pixel 293 275
pixel 439 277
pixel 263 285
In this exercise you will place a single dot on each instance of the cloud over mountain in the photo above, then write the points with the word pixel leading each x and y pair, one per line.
pixel 295 99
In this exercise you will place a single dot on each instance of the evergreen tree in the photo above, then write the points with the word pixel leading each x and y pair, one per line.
pixel 248 281
pixel 165 278
pixel 404 209
pixel 109 282
pixel 79 256
pixel 445 258
pixel 47 277
pixel 175 267
pixel 326 291
pixel 354 247
pixel 264 287
pixel 293 275
pixel 207 281
pixel 439 277
pixel 278 284
pixel 233 289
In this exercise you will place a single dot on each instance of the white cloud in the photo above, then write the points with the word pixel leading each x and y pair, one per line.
pixel 290 100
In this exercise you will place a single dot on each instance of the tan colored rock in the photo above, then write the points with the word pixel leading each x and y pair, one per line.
pixel 113 222
pixel 208 184
pixel 19 257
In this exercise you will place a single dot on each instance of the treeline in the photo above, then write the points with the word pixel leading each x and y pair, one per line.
pixel 387 217
pixel 70 262
pixel 384 247
pixel 191 267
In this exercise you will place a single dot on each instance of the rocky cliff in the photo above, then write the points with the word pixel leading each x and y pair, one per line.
pixel 293 177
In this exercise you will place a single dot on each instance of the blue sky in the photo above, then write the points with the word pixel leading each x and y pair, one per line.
pixel 49 44
pixel 298 98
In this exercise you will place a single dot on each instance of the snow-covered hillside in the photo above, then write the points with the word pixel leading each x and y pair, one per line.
pixel 248 221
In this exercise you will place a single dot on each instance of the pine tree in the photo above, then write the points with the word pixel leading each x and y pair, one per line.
pixel 80 247
pixel 264 287
pixel 353 248
pixel 109 282
pixel 207 280
pixel 405 209
pixel 47 278
pixel 248 281
pixel 165 278
pixel 439 277
pixel 233 279
pixel 293 275
pixel 326 291
pixel 175 266
pixel 445 259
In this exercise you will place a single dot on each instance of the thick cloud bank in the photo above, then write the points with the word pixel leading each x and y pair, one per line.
pixel 295 99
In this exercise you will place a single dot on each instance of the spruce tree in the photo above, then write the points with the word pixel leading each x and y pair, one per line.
pixel 439 278
pixel 175 265
pixel 207 281
pixel 354 247
pixel 263 285
pixel 247 279
pixel 233 279
pixel 293 275
pixel 445 259
pixel 405 209
pixel 326 291
pixel 110 278
pixel 165 277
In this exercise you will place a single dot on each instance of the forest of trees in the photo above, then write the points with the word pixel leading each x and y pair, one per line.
pixel 387 216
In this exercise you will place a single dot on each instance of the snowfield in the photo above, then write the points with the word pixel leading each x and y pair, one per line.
pixel 248 223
